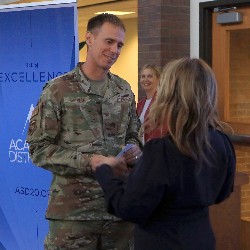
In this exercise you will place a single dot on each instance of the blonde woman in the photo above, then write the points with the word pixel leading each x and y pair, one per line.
pixel 168 193
pixel 149 79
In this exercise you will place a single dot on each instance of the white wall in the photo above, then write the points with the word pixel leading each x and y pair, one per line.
pixel 194 27
pixel 7 1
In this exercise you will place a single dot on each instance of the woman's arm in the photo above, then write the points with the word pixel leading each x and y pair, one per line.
pixel 136 198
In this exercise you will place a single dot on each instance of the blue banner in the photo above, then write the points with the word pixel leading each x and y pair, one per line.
pixel 37 43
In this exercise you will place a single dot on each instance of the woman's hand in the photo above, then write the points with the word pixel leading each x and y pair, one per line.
pixel 118 164
pixel 133 155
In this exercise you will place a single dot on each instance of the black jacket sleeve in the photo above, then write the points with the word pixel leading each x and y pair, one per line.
pixel 228 184
pixel 137 198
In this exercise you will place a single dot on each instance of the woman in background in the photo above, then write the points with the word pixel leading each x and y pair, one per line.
pixel 168 193
pixel 149 79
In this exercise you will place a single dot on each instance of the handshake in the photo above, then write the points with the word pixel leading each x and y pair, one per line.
pixel 128 156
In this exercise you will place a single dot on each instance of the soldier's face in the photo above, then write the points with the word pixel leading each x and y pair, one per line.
pixel 105 44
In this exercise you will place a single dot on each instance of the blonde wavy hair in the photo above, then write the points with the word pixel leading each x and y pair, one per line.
pixel 187 101
pixel 156 69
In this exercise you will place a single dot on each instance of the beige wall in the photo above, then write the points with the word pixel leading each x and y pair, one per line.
pixel 127 64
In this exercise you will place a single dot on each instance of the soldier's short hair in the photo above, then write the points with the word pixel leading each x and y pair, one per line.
pixel 99 20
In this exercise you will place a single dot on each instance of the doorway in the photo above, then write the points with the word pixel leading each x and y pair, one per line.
pixel 226 47
pixel 231 64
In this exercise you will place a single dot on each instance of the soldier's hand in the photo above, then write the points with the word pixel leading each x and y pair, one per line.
pixel 118 165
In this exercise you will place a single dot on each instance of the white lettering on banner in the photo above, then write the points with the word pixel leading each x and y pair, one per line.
pixel 19 145
pixel 28 117
pixel 19 151
pixel 19 148
pixel 19 157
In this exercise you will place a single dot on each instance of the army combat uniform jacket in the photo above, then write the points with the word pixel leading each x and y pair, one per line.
pixel 70 123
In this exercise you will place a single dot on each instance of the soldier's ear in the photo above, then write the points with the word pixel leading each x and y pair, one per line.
pixel 89 38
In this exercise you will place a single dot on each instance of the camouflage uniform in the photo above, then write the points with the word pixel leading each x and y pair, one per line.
pixel 71 122
pixel 89 235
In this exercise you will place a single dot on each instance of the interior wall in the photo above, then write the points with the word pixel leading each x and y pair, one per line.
pixel 194 27
pixel 127 64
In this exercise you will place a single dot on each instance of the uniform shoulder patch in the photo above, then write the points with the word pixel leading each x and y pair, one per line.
pixel 35 112
pixel 32 128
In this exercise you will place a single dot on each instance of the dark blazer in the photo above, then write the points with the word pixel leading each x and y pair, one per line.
pixel 167 194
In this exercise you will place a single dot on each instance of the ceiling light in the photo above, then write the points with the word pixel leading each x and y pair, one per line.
pixel 117 13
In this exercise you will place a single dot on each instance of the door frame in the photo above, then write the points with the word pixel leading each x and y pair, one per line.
pixel 205 27
pixel 205 42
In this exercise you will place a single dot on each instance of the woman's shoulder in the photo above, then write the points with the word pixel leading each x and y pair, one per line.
pixel 216 135
pixel 221 142
pixel 159 143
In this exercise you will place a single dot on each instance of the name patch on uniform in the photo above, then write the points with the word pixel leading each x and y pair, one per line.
pixel 76 99
pixel 124 98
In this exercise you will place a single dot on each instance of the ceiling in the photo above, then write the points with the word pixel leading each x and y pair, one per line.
pixel 87 8
pixel 87 11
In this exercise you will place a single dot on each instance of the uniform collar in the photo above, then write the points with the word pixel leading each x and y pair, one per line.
pixel 85 85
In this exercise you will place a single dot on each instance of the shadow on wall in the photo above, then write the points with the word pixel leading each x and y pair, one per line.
pixel 81 45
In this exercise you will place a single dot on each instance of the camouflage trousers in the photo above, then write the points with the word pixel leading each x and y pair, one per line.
pixel 89 235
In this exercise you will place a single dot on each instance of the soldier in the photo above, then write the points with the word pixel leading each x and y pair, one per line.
pixel 82 115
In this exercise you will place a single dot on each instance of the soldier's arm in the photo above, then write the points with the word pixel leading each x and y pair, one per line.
pixel 134 126
pixel 44 129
